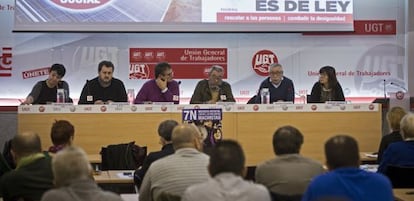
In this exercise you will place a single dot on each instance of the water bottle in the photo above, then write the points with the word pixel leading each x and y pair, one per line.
pixel 265 96
pixel 131 96
pixel 60 96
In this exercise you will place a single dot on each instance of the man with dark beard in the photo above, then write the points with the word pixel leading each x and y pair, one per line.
pixel 104 88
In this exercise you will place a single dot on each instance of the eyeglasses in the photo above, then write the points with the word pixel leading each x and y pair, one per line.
pixel 276 73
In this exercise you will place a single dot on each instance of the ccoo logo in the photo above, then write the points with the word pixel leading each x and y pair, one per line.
pixel 80 4
pixel 261 61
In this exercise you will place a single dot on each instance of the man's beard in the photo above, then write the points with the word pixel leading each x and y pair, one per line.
pixel 104 83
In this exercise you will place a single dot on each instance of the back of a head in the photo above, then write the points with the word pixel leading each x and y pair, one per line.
pixel 62 132
pixel 226 156
pixel 59 68
pixel 26 143
pixel 407 126
pixel 165 129
pixel 70 164
pixel 287 140
pixel 185 136
pixel 341 151
pixel 160 68
pixel 394 117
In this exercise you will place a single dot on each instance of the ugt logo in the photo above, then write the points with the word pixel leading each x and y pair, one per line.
pixel 80 4
pixel 261 61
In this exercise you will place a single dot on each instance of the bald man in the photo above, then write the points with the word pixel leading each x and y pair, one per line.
pixel 33 174
pixel 346 181
pixel 173 174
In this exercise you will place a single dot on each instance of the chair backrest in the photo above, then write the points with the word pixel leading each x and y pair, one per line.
pixel 282 197
pixel 123 156
pixel 401 177
pixel 165 196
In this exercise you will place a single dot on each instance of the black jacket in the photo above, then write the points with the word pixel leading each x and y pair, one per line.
pixel 315 97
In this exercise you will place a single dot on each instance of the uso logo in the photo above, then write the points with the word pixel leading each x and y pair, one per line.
pixel 261 61
pixel 80 4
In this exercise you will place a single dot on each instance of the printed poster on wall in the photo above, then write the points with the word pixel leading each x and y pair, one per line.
pixel 187 63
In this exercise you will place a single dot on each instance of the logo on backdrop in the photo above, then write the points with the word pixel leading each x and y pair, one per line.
pixel 261 61
pixel 138 71
pixel 399 95
pixel 378 67
pixel 6 62
pixel 80 4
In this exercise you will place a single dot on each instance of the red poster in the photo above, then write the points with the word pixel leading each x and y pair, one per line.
pixel 187 63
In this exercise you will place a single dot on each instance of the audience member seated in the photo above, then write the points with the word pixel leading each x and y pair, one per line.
pixel 74 180
pixel 213 89
pixel 345 180
pixel 62 134
pixel 161 89
pixel 33 174
pixel 164 131
pixel 394 117
pixel 289 173
pixel 174 173
pixel 401 153
pixel 227 169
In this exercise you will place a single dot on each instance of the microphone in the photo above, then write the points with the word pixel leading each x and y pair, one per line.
pixel 399 86
pixel 179 82
pixel 87 87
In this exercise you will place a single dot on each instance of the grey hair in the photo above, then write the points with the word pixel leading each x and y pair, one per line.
pixel 70 164
pixel 274 65
pixel 407 126
pixel 215 68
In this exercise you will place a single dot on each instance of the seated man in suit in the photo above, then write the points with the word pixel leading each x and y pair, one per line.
pixel 345 180
pixel 33 174
pixel 289 173
pixel 213 89
pixel 174 173
pixel 227 170
pixel 164 131
pixel 401 153
pixel 73 179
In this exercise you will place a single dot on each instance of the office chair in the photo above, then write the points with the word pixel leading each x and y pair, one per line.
pixel 401 177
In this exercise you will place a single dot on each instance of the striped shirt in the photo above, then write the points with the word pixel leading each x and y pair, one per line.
pixel 174 173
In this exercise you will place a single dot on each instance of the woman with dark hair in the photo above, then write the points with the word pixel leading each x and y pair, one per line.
pixel 327 88
pixel 45 91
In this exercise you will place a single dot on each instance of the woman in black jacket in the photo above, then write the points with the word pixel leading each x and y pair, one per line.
pixel 327 88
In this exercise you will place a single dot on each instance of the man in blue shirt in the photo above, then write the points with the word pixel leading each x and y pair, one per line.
pixel 345 181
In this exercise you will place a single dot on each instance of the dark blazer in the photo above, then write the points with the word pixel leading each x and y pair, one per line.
pixel 202 93
pixel 395 136
pixel 153 156
pixel 315 97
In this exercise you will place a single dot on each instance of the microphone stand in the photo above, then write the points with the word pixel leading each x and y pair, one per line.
pixel 385 94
